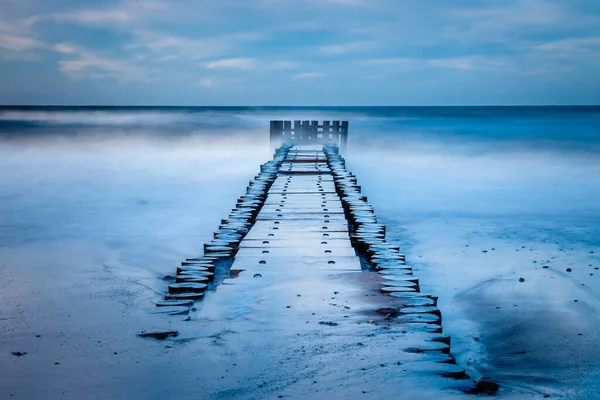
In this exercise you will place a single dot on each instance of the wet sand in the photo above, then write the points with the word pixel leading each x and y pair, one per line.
pixel 78 326
pixel 89 230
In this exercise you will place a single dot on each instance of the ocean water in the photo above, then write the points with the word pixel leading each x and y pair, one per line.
pixel 477 197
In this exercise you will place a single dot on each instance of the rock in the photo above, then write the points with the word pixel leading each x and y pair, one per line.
pixel 328 323
pixel 485 385
pixel 521 279
pixel 158 334
pixel 19 353
pixel 387 312
pixel 569 270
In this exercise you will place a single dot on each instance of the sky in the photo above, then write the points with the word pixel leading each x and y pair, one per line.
pixel 299 52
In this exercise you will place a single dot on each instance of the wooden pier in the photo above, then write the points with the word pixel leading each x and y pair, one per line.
pixel 302 221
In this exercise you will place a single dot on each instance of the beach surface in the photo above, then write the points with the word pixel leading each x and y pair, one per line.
pixel 497 210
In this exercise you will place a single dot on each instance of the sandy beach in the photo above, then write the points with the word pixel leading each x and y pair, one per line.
pixel 90 227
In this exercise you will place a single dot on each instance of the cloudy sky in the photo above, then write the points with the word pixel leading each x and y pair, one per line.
pixel 300 52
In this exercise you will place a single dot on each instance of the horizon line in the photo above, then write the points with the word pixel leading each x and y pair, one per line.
pixel 295 106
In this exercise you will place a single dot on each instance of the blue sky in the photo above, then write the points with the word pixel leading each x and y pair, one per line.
pixel 300 52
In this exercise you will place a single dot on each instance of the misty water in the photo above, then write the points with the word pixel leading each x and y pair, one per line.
pixel 98 204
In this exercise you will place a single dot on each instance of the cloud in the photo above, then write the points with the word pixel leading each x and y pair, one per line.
pixel 165 48
pixel 65 48
pixel 572 46
pixel 96 17
pixel 88 64
pixel 309 75
pixel 347 48
pixel 231 63
pixel 128 14
pixel 399 61
pixel 19 43
pixel 206 83
pixel 258 41
pixel 283 64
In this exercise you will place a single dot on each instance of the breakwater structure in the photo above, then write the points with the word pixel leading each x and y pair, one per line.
pixel 304 237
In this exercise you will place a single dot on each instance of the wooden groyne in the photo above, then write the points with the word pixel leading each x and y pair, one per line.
pixel 304 212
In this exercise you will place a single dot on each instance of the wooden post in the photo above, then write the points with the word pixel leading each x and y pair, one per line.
pixel 344 139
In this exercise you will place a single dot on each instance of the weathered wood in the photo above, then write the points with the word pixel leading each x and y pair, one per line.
pixel 304 212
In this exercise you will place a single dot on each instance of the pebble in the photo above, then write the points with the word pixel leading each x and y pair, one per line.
pixel 485 385
pixel 328 323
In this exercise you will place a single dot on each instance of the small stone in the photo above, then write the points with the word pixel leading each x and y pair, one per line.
pixel 159 335
pixel 485 385
pixel 19 353
pixel 569 270
pixel 328 323
pixel 521 279
pixel 545 266
pixel 387 312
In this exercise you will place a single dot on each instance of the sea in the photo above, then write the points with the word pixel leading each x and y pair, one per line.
pixel 477 198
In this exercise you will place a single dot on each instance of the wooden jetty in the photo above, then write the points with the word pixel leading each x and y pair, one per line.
pixel 305 213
